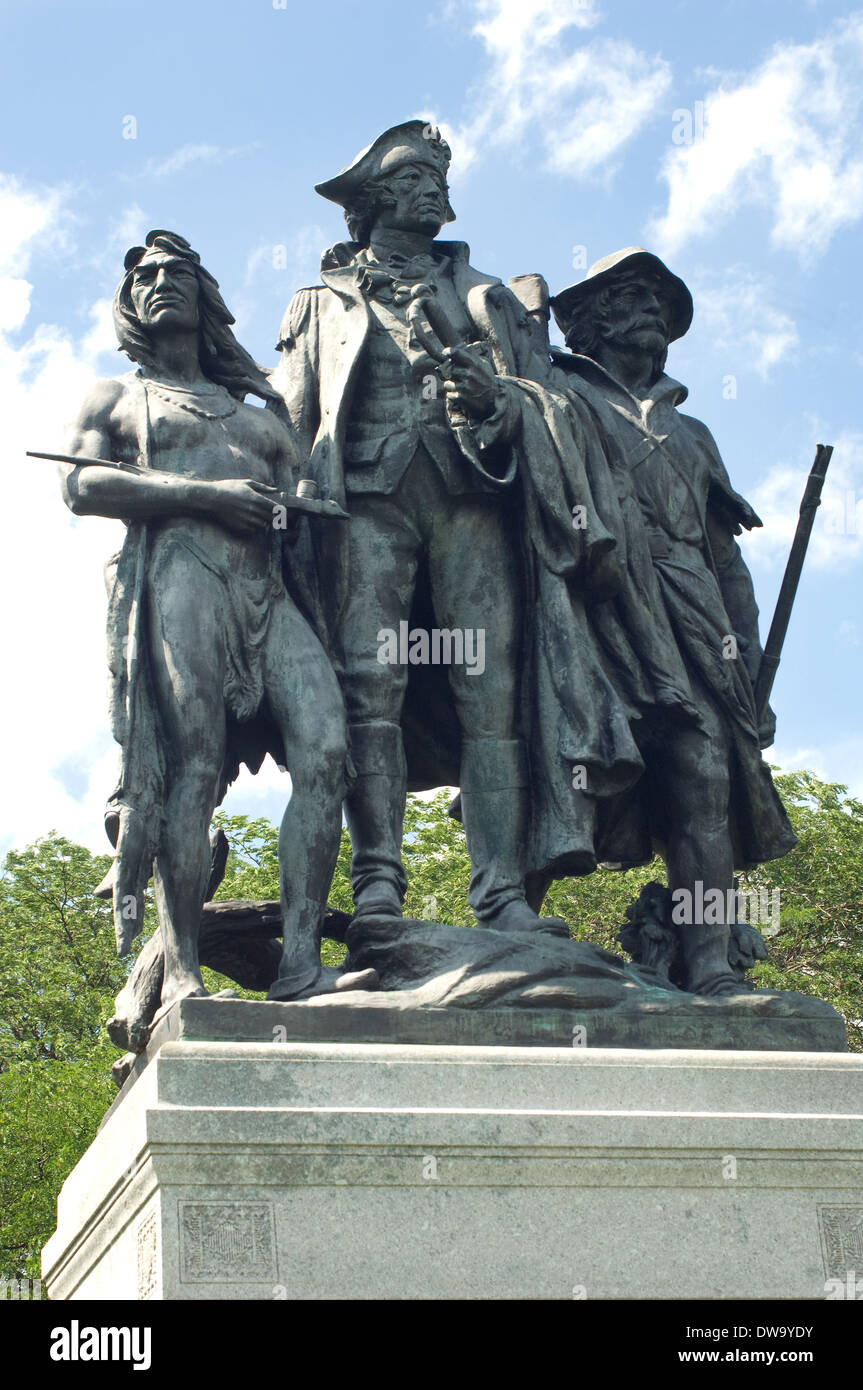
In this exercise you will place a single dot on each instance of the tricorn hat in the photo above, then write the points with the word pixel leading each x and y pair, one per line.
pixel 567 305
pixel 412 142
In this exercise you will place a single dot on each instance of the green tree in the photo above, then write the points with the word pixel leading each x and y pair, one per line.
pixel 818 948
pixel 58 979
pixel 252 874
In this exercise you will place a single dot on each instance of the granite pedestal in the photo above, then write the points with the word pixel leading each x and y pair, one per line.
pixel 348 1170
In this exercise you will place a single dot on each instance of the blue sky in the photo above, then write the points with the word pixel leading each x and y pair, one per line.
pixel 570 123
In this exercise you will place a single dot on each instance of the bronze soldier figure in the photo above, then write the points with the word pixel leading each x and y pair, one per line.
pixel 707 799
pixel 427 476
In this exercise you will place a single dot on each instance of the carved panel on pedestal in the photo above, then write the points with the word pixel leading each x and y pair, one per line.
pixel 227 1242
pixel 841 1239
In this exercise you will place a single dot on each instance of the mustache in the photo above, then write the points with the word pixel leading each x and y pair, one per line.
pixel 621 330
pixel 649 321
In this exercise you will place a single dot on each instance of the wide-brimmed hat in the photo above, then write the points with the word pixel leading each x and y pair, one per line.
pixel 412 142
pixel 567 305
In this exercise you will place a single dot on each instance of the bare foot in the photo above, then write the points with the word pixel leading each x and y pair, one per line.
pixel 357 979
pixel 129 1034
pixel 329 980
pixel 121 1068
pixel 189 988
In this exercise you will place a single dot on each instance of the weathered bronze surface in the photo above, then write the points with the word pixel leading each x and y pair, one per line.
pixel 445 554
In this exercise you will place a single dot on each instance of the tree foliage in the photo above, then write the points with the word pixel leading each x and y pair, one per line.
pixel 58 979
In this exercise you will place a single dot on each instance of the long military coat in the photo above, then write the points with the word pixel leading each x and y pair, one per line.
pixel 668 469
pixel 572 717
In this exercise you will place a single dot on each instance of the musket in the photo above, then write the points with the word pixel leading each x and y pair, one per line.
pixel 85 462
pixel 791 578
pixel 296 502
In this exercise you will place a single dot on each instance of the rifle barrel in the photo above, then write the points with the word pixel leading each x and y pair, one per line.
pixel 84 462
pixel 790 580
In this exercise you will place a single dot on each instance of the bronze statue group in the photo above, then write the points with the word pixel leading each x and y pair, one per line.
pixel 465 477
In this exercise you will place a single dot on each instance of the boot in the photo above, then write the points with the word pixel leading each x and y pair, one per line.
pixel 705 960
pixel 375 808
pixel 494 800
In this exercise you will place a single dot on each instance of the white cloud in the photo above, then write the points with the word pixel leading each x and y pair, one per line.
pixel 737 311
pixel 837 535
pixel 14 302
pixel 266 793
pixel 508 27
pixel 433 792
pixel 127 230
pixel 580 103
pixel 785 137
pixel 27 218
pixel 273 271
pixel 297 260
pixel 181 158
pixel 53 702
pixel 27 215
pixel 841 761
